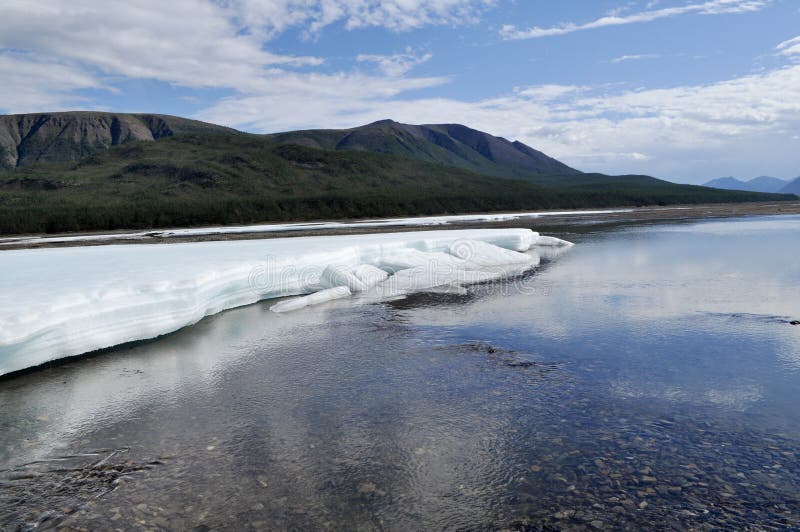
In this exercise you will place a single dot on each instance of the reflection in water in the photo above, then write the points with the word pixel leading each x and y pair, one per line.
pixel 647 375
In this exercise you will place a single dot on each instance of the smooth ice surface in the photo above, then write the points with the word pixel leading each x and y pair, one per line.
pixel 317 298
pixel 369 275
pixel 60 302
pixel 334 276
pixel 552 241
pixel 306 226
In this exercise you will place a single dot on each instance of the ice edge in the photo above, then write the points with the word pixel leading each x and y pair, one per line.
pixel 193 281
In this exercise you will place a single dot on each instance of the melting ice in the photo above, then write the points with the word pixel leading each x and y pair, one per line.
pixel 61 302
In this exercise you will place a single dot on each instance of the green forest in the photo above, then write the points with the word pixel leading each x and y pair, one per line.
pixel 232 178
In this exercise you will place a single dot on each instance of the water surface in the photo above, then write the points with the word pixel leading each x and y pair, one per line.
pixel 648 375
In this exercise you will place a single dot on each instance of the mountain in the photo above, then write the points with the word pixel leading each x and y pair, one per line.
pixel 792 188
pixel 758 184
pixel 766 184
pixel 101 171
pixel 69 137
pixel 726 183
pixel 448 144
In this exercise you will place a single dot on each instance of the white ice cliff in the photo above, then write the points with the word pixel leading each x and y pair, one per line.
pixel 61 302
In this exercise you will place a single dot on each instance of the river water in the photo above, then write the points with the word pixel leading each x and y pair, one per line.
pixel 649 376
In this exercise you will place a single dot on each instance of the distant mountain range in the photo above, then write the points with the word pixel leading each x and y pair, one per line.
pixel 792 188
pixel 758 184
pixel 101 171
pixel 70 137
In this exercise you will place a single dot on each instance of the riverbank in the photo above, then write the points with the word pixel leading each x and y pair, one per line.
pixel 547 220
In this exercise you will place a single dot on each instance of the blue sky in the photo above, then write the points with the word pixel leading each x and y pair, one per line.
pixel 686 90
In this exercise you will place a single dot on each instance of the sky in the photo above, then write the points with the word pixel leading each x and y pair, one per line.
pixel 685 90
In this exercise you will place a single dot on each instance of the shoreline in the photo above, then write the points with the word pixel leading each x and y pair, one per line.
pixel 546 220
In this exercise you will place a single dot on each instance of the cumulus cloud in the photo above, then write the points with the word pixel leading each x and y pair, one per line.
pixel 688 132
pixel 197 43
pixel 292 101
pixel 190 43
pixel 711 7
pixel 50 59
pixel 30 84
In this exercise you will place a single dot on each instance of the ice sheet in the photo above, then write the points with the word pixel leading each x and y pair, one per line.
pixel 60 302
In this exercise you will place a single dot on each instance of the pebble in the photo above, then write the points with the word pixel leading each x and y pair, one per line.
pixel 629 505
pixel 741 482
pixel 367 488
pixel 160 522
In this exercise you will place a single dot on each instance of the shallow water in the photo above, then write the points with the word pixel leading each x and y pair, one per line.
pixel 649 375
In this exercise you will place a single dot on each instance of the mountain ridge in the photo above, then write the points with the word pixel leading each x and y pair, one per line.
pixel 88 171
pixel 450 144
pixel 33 138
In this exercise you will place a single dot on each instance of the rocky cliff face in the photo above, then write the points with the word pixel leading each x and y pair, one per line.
pixel 69 137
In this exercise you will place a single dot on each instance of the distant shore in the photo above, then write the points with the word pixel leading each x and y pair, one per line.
pixel 546 222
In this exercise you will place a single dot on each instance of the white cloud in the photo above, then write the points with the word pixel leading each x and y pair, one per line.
pixel 548 93
pixel 224 44
pixel 30 85
pixel 742 125
pixel 276 16
pixel 710 7
pixel 198 43
pixel 409 14
pixel 395 65
pixel 292 100
pixel 636 57
pixel 790 48
pixel 185 42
